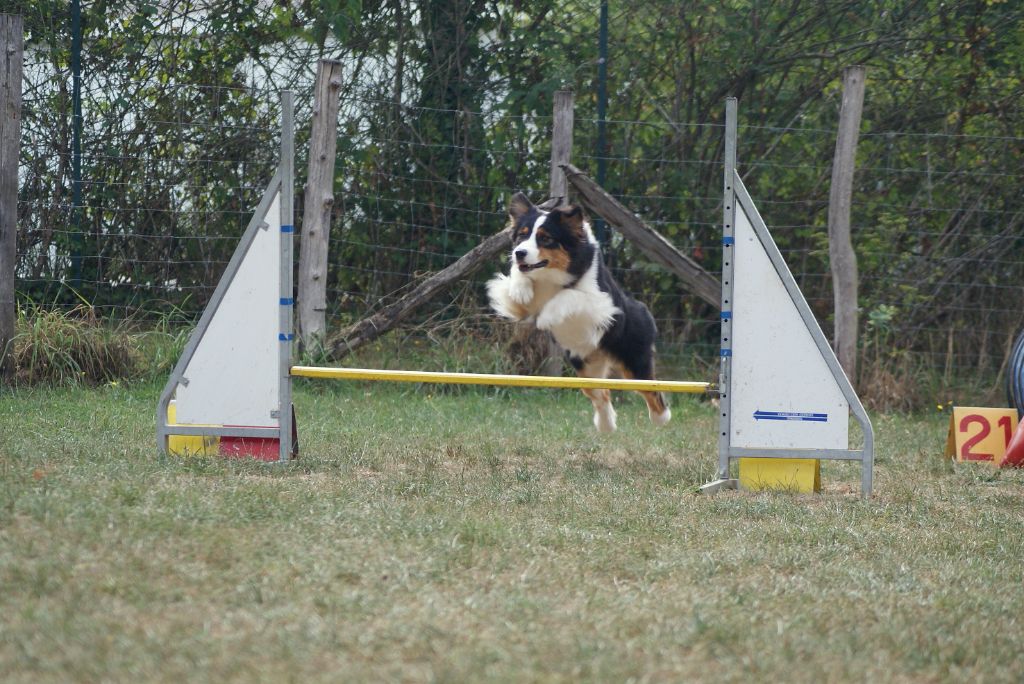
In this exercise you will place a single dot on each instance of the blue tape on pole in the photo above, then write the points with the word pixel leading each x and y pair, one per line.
pixel 726 352
pixel 728 240
pixel 286 338
pixel 287 301
pixel 287 229
pixel 788 415
pixel 726 315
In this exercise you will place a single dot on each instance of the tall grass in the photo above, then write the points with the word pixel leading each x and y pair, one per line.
pixel 69 347
pixel 66 347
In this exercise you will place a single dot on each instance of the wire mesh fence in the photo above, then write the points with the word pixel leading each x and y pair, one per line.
pixel 171 171
pixel 169 179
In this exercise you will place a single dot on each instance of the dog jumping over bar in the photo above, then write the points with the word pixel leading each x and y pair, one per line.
pixel 558 280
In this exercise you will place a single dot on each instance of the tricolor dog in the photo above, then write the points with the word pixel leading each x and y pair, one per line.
pixel 558 280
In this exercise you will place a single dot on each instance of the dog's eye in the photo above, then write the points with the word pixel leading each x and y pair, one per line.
pixel 546 241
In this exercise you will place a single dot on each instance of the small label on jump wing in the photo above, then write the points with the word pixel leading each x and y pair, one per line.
pixel 785 415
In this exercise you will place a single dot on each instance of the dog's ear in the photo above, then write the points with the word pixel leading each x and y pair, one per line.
pixel 519 205
pixel 572 218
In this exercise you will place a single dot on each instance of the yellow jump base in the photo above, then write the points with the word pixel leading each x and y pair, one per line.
pixel 499 380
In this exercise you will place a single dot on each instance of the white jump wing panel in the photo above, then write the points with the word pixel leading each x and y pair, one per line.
pixel 232 377
pixel 784 395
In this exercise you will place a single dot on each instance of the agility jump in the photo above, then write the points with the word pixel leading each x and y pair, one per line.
pixel 782 391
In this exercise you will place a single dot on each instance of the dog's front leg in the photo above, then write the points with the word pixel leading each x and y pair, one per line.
pixel 597 366
pixel 520 288
pixel 509 295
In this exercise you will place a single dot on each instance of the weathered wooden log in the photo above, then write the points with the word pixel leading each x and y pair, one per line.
pixel 648 240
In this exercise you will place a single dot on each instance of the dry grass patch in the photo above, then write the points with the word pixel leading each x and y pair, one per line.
pixel 488 536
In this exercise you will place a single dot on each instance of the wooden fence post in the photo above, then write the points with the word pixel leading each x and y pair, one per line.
pixel 561 154
pixel 842 258
pixel 318 203
pixel 561 143
pixel 11 55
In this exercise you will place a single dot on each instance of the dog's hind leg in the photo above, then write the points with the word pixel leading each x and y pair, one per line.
pixel 604 412
pixel 657 409
pixel 597 366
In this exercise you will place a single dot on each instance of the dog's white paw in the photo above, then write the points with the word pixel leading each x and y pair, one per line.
pixel 520 291
pixel 497 293
pixel 547 319
pixel 604 420
pixel 660 419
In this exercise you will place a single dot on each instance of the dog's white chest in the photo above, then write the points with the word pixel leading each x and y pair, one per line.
pixel 578 318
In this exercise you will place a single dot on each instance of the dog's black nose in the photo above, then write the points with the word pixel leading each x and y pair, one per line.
pixel 520 254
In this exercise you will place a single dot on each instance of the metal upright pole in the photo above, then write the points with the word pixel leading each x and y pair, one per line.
pixel 728 268
pixel 287 294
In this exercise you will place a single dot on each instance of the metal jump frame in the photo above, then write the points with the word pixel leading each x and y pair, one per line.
pixel 283 182
pixel 734 191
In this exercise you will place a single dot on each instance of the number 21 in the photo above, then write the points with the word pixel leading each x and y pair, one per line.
pixel 965 451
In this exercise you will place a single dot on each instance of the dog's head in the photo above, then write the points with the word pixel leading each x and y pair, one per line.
pixel 557 238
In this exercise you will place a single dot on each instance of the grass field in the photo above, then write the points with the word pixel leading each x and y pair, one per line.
pixel 482 535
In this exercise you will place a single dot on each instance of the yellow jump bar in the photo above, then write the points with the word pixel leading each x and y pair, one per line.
pixel 502 380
